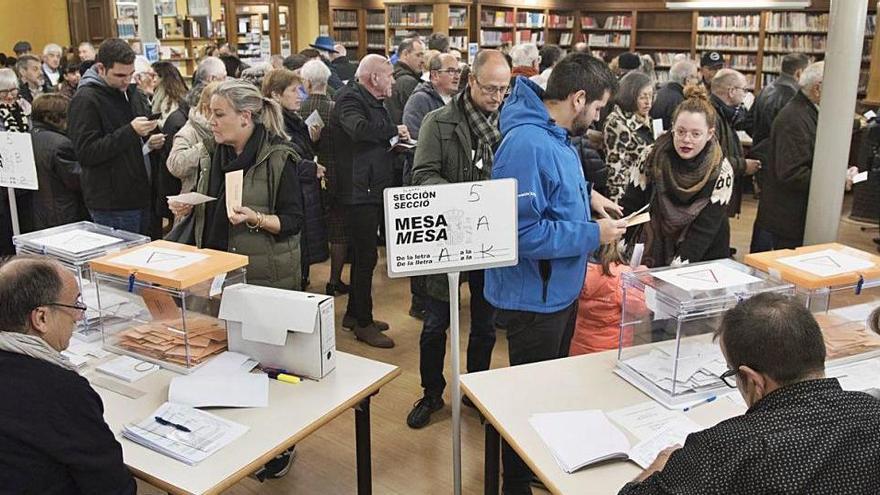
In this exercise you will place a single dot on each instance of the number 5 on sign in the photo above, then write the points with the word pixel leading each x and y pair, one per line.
pixel 450 227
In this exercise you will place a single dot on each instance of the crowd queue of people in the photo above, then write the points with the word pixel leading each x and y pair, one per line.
pixel 114 135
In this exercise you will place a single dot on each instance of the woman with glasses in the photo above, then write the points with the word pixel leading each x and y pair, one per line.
pixel 13 110
pixel 686 183
pixel 628 132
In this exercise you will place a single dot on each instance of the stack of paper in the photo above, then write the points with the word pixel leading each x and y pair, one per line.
pixel 700 366
pixel 207 433
pixel 225 381
pixel 79 353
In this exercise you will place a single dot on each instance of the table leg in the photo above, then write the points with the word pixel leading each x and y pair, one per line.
pixel 493 459
pixel 362 441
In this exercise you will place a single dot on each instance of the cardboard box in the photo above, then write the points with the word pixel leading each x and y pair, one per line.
pixel 279 328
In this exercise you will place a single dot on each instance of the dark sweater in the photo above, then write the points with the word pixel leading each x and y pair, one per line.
pixel 53 438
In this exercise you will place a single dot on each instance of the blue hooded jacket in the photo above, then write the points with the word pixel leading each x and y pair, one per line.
pixel 555 231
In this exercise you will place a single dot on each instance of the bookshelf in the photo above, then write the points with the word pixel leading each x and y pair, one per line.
pixel 608 33
pixel 344 24
pixel 459 24
pixel 374 25
pixel 496 24
pixel 561 27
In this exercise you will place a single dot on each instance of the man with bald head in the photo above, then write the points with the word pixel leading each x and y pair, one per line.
pixel 729 88
pixel 457 143
pixel 361 128
pixel 53 438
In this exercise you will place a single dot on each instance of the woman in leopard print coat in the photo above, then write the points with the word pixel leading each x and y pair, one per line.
pixel 628 132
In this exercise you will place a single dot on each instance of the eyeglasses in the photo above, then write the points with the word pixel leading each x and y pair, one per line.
pixel 491 90
pixel 78 305
pixel 450 71
pixel 739 88
pixel 729 378
pixel 9 92
pixel 682 133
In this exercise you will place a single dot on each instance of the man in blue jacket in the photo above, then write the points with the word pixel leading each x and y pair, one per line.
pixel 537 298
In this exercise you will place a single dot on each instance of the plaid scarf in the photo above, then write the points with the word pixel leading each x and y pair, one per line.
pixel 485 128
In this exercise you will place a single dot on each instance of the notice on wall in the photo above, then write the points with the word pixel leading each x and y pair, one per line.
pixel 450 227
pixel 17 166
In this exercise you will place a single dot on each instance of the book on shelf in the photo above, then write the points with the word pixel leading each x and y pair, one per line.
pixel 345 18
pixel 529 36
pixel 346 36
pixel 560 21
pixel 795 42
pixel 565 39
pixel 375 39
pixel 530 19
pixel 495 38
pixel 589 23
pixel 870 25
pixel 609 40
pixel 618 22
pixel 459 42
pixel 497 18
pixel 729 41
pixel 797 21
pixel 664 59
pixel 458 18
pixel 376 19
pixel 729 22
pixel 399 16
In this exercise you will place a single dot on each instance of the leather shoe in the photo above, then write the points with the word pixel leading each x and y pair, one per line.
pixel 340 288
pixel 350 322
pixel 372 336
pixel 422 410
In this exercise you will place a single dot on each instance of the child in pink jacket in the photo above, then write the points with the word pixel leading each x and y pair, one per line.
pixel 600 302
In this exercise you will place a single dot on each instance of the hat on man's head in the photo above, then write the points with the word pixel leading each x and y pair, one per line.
pixel 712 60
pixel 324 43
pixel 21 47
pixel 629 61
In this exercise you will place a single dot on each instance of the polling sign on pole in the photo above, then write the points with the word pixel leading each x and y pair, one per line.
pixel 451 228
pixel 17 169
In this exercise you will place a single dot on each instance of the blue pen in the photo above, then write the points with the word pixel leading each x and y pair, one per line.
pixel 704 401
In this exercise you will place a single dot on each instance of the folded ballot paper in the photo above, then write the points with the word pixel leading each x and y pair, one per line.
pixel 580 438
pixel 183 433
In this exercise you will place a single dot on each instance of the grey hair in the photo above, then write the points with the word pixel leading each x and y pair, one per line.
pixel 725 79
pixel 245 97
pixel 408 44
pixel 812 75
pixel 209 68
pixel 315 72
pixel 681 71
pixel 8 79
pixel 437 61
pixel 255 73
pixel 26 283
pixel 52 48
pixel 524 55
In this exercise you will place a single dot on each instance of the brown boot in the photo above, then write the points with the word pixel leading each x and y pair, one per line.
pixel 373 336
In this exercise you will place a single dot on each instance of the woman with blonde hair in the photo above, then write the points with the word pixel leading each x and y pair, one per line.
pixel 189 150
pixel 248 130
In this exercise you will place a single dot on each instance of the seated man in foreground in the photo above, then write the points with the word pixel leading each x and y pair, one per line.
pixel 53 438
pixel 801 434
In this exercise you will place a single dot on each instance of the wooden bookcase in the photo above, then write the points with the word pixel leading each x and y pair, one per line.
pixel 608 33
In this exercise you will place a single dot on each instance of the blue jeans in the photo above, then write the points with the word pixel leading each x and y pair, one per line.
pixel 137 221
pixel 432 343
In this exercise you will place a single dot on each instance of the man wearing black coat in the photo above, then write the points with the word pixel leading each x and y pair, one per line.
pixel 361 128
pixel 53 437
pixel 772 99
pixel 114 138
pixel 782 211
pixel 407 75
pixel 672 93
pixel 339 61
pixel 728 92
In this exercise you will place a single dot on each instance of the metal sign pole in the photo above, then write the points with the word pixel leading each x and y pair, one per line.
pixel 13 210
pixel 456 382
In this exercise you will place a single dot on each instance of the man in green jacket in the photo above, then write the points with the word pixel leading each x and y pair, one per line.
pixel 457 144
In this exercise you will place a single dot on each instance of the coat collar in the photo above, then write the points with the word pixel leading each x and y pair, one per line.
pixel 629 119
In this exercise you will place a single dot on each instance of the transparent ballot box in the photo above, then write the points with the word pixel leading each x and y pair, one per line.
pixel 160 302
pixel 668 319
pixel 74 245
pixel 841 286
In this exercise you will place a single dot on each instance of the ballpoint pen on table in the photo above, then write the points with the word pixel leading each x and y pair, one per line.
pixel 700 403
pixel 165 422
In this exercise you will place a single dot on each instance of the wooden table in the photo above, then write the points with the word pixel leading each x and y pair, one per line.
pixel 294 412
pixel 508 396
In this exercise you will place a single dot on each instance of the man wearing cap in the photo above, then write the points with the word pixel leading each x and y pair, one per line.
pixel 710 63
pixel 325 47
pixel 626 63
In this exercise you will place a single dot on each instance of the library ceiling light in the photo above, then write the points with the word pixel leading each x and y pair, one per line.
pixel 737 4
